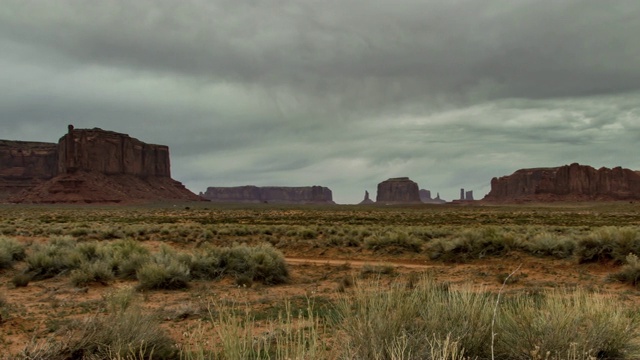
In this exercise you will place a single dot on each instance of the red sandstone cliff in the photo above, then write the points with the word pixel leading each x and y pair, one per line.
pixel 270 194
pixel 573 182
pixel 98 166
pixel 24 165
pixel 398 191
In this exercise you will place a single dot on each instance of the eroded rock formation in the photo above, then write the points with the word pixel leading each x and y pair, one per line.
pixel 399 190
pixel 573 182
pixel 270 194
pixel 367 200
pixel 110 153
pixel 425 197
pixel 98 166
pixel 25 164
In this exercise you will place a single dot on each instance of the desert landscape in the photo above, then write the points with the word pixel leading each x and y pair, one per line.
pixel 200 280
pixel 104 256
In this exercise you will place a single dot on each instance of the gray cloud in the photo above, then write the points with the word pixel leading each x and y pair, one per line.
pixel 338 93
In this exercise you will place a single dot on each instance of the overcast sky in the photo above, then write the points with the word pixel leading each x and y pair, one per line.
pixel 338 93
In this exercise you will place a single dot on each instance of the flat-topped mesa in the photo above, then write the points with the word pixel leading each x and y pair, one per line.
pixel 98 166
pixel 110 153
pixel 399 190
pixel 270 194
pixel 25 164
pixel 573 182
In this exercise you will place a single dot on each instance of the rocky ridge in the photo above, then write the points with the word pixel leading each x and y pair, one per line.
pixel 270 194
pixel 573 182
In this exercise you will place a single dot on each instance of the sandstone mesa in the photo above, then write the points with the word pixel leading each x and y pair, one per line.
pixel 573 182
pixel 87 166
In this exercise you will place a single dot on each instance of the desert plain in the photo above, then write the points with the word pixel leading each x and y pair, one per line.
pixel 219 281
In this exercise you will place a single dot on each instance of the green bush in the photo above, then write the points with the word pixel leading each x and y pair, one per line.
pixel 551 245
pixel 608 244
pixel 53 258
pixel 10 251
pixel 393 242
pixel 630 273
pixel 167 275
pixel 94 272
pixel 126 257
pixel 472 244
pixel 269 266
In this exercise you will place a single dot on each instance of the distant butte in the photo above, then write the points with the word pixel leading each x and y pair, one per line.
pixel 87 166
pixel 399 190
pixel 270 194
pixel 573 182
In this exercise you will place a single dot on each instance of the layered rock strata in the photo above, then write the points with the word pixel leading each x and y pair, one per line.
pixel 270 194
pixel 25 164
pixel 399 190
pixel 98 166
pixel 573 182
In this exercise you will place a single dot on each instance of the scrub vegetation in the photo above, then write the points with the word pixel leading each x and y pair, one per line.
pixel 210 281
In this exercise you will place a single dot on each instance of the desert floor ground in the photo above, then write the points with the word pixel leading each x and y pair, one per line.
pixel 326 249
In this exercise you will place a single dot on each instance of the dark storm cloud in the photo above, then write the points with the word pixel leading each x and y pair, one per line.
pixel 339 93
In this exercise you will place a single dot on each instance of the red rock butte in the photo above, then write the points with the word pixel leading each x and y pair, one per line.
pixel 573 182
pixel 88 166
pixel 399 190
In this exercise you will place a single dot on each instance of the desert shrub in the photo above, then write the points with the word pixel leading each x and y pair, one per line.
pixel 10 251
pixel 608 243
pixel 236 260
pixel 164 272
pixel 560 322
pixel 549 244
pixel 393 241
pixel 124 333
pixel 21 279
pixel 627 241
pixel 262 263
pixel 92 272
pixel 629 273
pixel 269 266
pixel 155 276
pixel 206 264
pixel 126 257
pixel 53 258
pixel 472 244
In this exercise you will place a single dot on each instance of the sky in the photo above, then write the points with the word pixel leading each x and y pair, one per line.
pixel 338 93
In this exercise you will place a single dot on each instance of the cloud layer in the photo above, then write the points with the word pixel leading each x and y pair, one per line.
pixel 337 93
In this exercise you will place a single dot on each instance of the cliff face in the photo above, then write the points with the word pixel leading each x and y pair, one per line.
pixel 25 164
pixel 270 194
pixel 569 182
pixel 91 166
pixel 398 191
pixel 111 153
